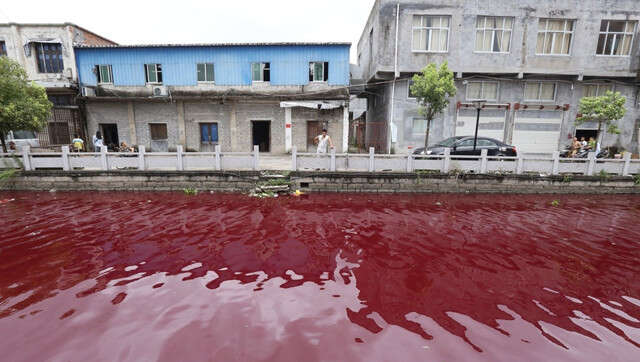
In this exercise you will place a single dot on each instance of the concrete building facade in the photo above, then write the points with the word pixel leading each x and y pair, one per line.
pixel 276 95
pixel 531 60
pixel 46 52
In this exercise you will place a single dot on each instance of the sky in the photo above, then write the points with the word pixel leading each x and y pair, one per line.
pixel 213 21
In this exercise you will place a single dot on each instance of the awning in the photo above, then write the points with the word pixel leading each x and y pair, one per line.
pixel 313 104
pixel 27 44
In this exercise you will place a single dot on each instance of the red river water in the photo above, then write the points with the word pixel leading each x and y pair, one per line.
pixel 322 277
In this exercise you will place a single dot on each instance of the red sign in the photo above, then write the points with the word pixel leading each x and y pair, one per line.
pixel 288 125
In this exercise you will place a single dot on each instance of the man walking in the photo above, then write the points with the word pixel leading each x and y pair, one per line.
pixel 323 140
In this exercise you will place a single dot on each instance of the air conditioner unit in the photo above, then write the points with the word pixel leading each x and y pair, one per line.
pixel 87 92
pixel 159 91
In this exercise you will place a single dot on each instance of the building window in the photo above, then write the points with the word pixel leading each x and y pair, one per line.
pixel 596 90
pixel 58 133
pixel 261 72
pixel 60 99
pixel 616 37
pixel 49 57
pixel 318 71
pixel 158 131
pixel 482 90
pixel 205 72
pixel 431 33
pixel 419 126
pixel 554 36
pixel 105 75
pixel 411 94
pixel 3 48
pixel 153 73
pixel 208 133
pixel 540 91
pixel 493 34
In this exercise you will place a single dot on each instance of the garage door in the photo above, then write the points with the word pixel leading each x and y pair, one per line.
pixel 537 131
pixel 491 123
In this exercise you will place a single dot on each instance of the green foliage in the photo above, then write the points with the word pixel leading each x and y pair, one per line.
pixel 277 182
pixel 603 109
pixel 566 178
pixel 603 175
pixel 636 179
pixel 555 203
pixel 23 104
pixel 6 174
pixel 190 191
pixel 433 89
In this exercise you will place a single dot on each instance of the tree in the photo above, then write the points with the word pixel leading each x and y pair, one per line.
pixel 23 104
pixel 433 88
pixel 604 109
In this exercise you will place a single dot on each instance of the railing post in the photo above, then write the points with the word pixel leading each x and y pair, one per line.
pixel 65 158
pixel 332 160
pixel 483 160
pixel 103 158
pixel 141 163
pixel 26 158
pixel 520 165
pixel 592 163
pixel 372 165
pixel 180 165
pixel 294 158
pixel 256 158
pixel 556 163
pixel 218 161
pixel 410 163
pixel 446 161
pixel 627 164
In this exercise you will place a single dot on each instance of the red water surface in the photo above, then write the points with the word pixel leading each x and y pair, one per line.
pixel 324 277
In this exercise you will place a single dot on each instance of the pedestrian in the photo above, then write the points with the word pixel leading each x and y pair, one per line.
pixel 583 143
pixel 78 143
pixel 323 140
pixel 592 143
pixel 575 147
pixel 97 142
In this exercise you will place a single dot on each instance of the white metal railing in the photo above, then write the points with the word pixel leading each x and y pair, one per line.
pixel 446 163
pixel 218 160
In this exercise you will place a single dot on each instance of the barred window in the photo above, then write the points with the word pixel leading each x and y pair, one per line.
pixel 431 33
pixel 596 90
pixel 493 34
pixel 49 57
pixel 158 131
pixel 616 37
pixel 554 36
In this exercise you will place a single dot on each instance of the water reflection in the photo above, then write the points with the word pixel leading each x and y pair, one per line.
pixel 327 277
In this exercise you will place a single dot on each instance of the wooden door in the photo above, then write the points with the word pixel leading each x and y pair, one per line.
pixel 314 129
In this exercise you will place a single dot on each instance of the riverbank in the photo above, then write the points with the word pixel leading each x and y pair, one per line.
pixel 320 181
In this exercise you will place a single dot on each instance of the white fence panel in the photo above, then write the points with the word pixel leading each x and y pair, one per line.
pixel 609 166
pixel 571 165
pixel 502 164
pixel 8 160
pixel 122 161
pixel 538 165
pixel 390 163
pixel 427 163
pixel 359 162
pixel 634 167
pixel 466 164
pixel 161 161
pixel 199 161
pixel 46 160
pixel 237 161
pixel 312 161
pixel 85 161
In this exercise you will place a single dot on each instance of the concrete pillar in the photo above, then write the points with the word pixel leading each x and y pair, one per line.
pixel 141 162
pixel 66 165
pixel 446 161
pixel 233 125
pixel 556 163
pixel 132 124
pixel 179 158
pixel 182 135
pixel 483 161
pixel 26 158
pixel 345 129
pixel 218 160
pixel 372 165
pixel 103 158
pixel 294 159
pixel 287 129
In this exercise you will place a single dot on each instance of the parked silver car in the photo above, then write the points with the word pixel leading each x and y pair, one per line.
pixel 22 138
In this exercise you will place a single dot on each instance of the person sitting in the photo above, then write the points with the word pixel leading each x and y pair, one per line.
pixel 592 143
pixel 78 143
pixel 124 147
pixel 583 143
pixel 575 147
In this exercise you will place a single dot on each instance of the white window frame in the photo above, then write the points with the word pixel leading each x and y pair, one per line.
pixel 429 33
pixel 409 81
pixel 205 74
pixel 484 29
pixel 323 70
pixel 553 38
pixel 616 34
pixel 263 65
pixel 540 83
pixel 99 75
pixel 482 83
pixel 155 68
pixel 412 123
pixel 598 85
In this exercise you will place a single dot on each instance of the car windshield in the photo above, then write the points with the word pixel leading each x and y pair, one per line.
pixel 448 142
pixel 24 135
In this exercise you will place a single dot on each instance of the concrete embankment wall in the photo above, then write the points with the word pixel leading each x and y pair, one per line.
pixel 317 181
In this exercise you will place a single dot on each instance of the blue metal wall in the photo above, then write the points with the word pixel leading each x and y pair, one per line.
pixel 232 64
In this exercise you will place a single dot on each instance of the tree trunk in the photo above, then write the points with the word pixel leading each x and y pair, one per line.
pixel 426 136
pixel 4 146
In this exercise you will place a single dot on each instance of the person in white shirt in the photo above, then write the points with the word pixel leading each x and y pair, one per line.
pixel 323 140
pixel 97 142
